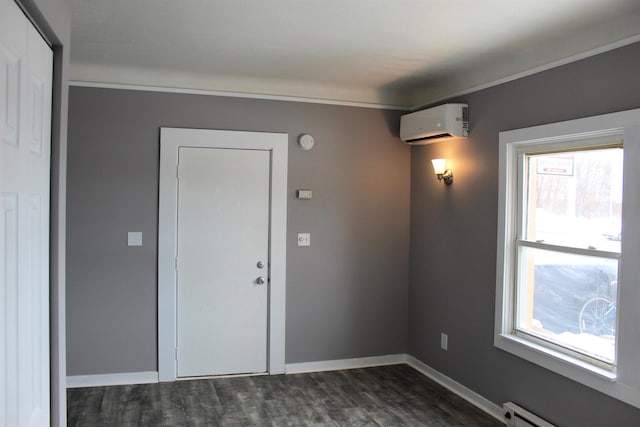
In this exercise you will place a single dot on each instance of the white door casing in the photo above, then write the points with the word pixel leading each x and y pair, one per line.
pixel 223 233
pixel 170 142
pixel 26 68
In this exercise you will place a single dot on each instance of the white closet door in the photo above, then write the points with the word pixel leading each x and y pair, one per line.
pixel 26 64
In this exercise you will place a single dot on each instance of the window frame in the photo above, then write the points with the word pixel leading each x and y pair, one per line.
pixel 604 141
pixel 623 382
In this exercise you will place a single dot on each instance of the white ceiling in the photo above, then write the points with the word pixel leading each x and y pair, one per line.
pixel 391 52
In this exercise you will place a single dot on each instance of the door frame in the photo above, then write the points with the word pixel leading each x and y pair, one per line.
pixel 171 139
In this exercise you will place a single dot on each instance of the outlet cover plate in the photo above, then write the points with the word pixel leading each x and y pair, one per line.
pixel 304 239
pixel 444 341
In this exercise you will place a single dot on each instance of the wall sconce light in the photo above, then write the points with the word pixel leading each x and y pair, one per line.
pixel 441 171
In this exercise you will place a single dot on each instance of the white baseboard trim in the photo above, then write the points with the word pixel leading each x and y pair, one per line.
pixel 336 365
pixel 469 395
pixel 127 378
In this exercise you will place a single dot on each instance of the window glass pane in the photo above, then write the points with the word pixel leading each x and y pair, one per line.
pixel 569 300
pixel 574 198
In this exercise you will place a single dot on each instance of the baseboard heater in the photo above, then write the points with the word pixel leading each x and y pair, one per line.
pixel 517 416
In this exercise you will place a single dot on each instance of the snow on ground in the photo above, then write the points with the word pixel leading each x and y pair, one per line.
pixel 602 347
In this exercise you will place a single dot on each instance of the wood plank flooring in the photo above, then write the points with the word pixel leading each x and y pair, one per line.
pixel 385 396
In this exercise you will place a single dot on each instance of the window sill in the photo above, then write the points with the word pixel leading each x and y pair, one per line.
pixel 560 363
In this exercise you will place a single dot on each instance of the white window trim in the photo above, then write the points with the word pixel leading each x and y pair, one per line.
pixel 624 384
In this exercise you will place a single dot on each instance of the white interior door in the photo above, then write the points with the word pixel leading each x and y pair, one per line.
pixel 25 118
pixel 223 261
pixel 172 140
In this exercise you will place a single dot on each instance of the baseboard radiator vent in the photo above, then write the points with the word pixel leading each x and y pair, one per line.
pixel 517 416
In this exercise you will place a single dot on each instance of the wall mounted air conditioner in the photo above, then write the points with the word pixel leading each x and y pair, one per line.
pixel 435 124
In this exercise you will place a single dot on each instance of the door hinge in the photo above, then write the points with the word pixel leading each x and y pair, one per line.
pixel 176 263
pixel 176 355
pixel 178 171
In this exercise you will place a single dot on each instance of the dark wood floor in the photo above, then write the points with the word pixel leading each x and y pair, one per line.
pixel 383 396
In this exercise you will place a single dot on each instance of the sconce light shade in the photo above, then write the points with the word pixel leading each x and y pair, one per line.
pixel 441 171
pixel 439 166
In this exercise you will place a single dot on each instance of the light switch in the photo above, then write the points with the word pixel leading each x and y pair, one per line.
pixel 304 239
pixel 134 238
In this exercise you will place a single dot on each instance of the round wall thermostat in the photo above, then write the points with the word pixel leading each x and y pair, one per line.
pixel 306 141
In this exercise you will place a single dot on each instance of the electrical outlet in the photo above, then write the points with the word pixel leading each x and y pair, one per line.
pixel 304 239
pixel 444 341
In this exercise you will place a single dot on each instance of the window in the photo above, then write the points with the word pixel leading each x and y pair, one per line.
pixel 568 247
pixel 566 299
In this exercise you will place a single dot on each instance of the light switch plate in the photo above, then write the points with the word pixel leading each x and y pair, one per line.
pixel 134 238
pixel 304 239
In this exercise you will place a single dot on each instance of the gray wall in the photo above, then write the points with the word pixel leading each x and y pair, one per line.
pixel 346 294
pixel 53 17
pixel 453 239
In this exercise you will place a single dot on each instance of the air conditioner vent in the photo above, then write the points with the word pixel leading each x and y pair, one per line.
pixel 426 138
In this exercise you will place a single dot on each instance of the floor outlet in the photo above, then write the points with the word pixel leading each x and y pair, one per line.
pixel 444 341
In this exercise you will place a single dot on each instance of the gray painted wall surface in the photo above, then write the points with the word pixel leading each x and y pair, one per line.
pixel 53 18
pixel 346 294
pixel 453 239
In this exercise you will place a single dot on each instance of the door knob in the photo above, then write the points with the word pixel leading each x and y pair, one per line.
pixel 260 264
pixel 260 280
